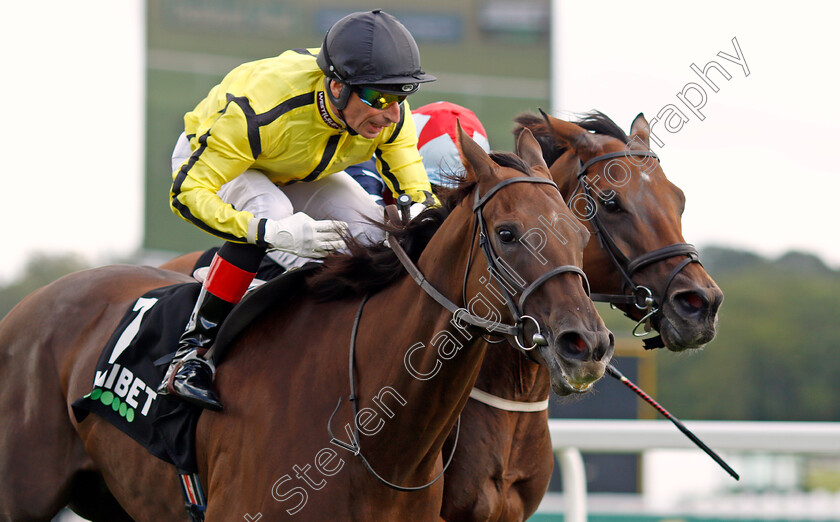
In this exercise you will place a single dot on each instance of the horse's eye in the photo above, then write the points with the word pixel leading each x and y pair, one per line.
pixel 611 205
pixel 506 235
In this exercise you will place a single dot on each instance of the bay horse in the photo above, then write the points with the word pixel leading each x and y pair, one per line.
pixel 503 462
pixel 639 262
pixel 415 363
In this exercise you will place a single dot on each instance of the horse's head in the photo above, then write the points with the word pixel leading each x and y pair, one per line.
pixel 616 186
pixel 533 250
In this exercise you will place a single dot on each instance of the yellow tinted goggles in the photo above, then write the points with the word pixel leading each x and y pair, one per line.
pixel 378 100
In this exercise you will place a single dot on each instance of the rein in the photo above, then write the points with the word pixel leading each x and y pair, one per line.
pixel 640 296
pixel 516 330
pixel 494 268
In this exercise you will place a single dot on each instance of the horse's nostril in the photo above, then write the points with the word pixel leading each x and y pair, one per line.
pixel 692 302
pixel 604 345
pixel 573 345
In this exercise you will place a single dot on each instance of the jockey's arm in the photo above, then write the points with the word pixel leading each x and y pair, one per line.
pixel 400 164
pixel 218 157
pixel 221 156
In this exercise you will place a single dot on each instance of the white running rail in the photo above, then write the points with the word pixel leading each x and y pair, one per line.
pixel 570 437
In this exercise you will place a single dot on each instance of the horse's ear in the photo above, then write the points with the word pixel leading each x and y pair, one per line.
pixel 560 172
pixel 476 162
pixel 529 150
pixel 575 137
pixel 640 129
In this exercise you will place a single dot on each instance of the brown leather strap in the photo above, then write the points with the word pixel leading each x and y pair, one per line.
pixel 491 326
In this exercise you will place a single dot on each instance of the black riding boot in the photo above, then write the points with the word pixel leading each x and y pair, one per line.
pixel 190 376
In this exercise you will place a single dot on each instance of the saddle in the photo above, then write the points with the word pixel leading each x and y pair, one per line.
pixel 134 359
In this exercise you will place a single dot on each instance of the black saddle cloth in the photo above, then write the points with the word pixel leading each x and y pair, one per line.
pixel 134 360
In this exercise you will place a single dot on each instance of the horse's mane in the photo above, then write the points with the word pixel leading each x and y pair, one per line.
pixel 366 268
pixel 593 121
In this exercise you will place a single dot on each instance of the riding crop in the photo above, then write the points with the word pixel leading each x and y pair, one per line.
pixel 665 413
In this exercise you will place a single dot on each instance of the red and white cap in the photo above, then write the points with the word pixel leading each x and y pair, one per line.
pixel 436 128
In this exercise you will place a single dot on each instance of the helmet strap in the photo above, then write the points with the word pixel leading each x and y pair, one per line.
pixel 340 102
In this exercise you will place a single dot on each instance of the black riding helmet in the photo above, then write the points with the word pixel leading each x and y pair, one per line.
pixel 371 48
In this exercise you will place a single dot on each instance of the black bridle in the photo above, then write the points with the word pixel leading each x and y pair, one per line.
pixel 496 268
pixel 642 297
pixel 517 330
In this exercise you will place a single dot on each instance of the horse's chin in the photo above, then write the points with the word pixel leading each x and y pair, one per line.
pixel 680 335
pixel 563 387
pixel 570 378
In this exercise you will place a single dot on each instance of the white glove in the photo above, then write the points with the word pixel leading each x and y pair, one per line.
pixel 301 235
pixel 415 209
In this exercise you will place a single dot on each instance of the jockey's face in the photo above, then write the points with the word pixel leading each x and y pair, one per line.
pixel 364 119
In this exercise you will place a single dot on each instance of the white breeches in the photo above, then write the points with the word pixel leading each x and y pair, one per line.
pixel 337 196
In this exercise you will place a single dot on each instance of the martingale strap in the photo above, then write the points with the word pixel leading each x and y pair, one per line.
pixel 356 446
pixel 490 326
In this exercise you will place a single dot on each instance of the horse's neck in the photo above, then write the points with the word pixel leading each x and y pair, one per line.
pixel 506 373
pixel 430 369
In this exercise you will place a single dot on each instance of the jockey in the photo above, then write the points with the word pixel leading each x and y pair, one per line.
pixel 271 141
pixel 436 124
